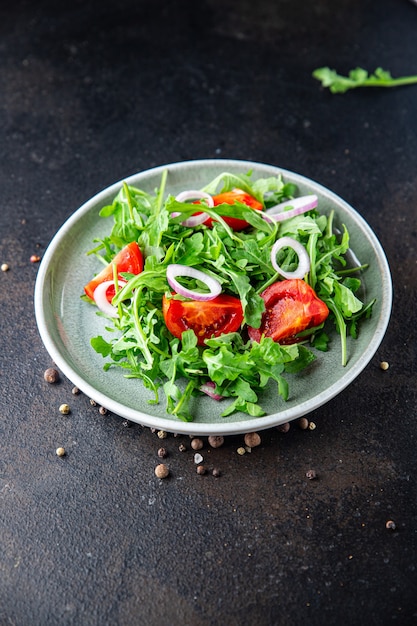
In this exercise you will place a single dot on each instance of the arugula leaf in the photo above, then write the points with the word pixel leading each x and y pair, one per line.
pixel 251 408
pixel 320 341
pixel 229 182
pixel 101 346
pixel 346 300
pixel 359 77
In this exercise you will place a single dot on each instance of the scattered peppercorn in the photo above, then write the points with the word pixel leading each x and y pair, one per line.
pixel 162 453
pixel 60 451
pixel 201 470
pixel 51 375
pixel 102 410
pixel 390 525
pixel 252 440
pixel 93 402
pixel 162 434
pixel 198 458
pixel 216 472
pixel 161 470
pixel 241 451
pixel 127 424
pixel 384 365
pixel 64 409
pixel 284 428
pixel 303 423
pixel 182 447
pixel 4 267
pixel 216 441
pixel 35 258
pixel 311 474
pixel 196 444
pixel 75 391
pixel 312 425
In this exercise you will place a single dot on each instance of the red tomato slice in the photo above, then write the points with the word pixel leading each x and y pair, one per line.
pixel 207 319
pixel 230 197
pixel 129 259
pixel 291 306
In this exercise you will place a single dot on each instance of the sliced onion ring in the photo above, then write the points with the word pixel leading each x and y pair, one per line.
pixel 195 220
pixel 299 206
pixel 175 269
pixel 303 258
pixel 209 388
pixel 190 195
pixel 100 297
pixel 193 194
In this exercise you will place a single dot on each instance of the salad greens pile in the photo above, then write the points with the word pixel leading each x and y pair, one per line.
pixel 359 77
pixel 140 343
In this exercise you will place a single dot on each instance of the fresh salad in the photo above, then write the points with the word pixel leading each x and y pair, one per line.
pixel 222 290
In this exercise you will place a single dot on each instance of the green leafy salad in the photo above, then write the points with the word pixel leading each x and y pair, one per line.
pixel 233 287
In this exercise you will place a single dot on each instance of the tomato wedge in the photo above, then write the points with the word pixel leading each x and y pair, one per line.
pixel 207 319
pixel 230 197
pixel 291 306
pixel 129 259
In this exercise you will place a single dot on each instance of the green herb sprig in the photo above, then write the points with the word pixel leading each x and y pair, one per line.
pixel 359 77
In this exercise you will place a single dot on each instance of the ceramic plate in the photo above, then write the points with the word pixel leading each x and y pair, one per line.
pixel 66 323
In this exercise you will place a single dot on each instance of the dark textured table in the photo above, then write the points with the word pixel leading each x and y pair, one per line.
pixel 90 93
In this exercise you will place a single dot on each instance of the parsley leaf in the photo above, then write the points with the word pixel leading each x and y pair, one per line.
pixel 359 77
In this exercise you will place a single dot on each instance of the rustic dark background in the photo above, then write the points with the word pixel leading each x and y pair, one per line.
pixel 91 92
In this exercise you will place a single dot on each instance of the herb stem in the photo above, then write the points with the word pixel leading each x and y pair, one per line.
pixel 393 82
pixel 359 77
pixel 161 191
pixel 272 280
pixel 184 398
pixel 352 270
pixel 95 251
pixel 141 335
pixel 116 288
pixel 311 250
pixel 341 325
pixel 329 226
pixel 129 200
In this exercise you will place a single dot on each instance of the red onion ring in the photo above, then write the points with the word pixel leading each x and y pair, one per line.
pixel 299 206
pixel 190 195
pixel 175 269
pixel 209 389
pixel 100 297
pixel 303 258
